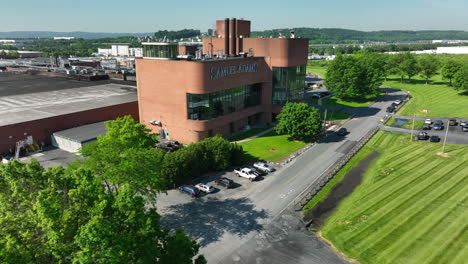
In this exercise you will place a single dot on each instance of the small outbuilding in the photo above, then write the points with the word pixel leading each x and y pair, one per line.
pixel 73 139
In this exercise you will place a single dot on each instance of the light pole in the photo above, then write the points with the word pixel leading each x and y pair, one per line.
pixel 445 139
pixel 413 107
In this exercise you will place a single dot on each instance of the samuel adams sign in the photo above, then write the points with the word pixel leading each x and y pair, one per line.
pixel 219 72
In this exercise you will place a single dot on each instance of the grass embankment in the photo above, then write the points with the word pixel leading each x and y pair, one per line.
pixel 409 208
pixel 249 133
pixel 418 124
pixel 435 99
pixel 271 147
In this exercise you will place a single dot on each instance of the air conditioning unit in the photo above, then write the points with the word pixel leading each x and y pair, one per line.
pixel 155 122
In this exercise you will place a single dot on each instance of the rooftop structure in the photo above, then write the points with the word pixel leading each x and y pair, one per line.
pixel 73 139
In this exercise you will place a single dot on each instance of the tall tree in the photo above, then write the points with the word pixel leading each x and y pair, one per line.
pixel 460 79
pixel 126 154
pixel 449 70
pixel 409 65
pixel 355 77
pixel 300 121
pixel 429 66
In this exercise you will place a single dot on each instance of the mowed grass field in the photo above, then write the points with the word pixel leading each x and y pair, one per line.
pixel 437 98
pixel 321 71
pixel 271 147
pixel 411 207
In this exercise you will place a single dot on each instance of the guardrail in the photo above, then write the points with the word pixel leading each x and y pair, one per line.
pixel 329 173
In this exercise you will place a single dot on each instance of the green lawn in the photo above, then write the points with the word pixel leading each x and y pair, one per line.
pixel 437 98
pixel 418 124
pixel 337 102
pixel 252 132
pixel 334 115
pixel 411 206
pixel 271 147
pixel 321 71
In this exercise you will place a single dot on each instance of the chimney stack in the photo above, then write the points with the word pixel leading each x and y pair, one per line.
pixel 233 37
pixel 226 36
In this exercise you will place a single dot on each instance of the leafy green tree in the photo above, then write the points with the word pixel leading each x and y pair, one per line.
pixel 355 77
pixel 460 79
pixel 429 66
pixel 211 154
pixel 69 216
pixel 300 121
pixel 449 70
pixel 126 154
pixel 409 65
pixel 21 241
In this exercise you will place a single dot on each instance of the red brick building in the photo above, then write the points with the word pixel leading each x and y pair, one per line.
pixel 234 80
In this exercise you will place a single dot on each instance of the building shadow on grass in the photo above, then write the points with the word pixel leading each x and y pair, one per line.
pixel 206 220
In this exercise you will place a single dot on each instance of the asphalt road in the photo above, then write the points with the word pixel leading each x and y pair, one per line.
pixel 225 221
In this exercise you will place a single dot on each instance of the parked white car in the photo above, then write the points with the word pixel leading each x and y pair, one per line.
pixel 206 188
pixel 263 167
pixel 428 121
pixel 246 173
pixel 397 102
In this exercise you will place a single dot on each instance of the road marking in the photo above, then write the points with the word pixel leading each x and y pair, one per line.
pixel 285 195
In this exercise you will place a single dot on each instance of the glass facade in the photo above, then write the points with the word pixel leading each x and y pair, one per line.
pixel 288 84
pixel 212 105
pixel 168 51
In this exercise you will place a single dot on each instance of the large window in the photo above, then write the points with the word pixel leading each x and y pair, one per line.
pixel 212 105
pixel 288 84
pixel 160 50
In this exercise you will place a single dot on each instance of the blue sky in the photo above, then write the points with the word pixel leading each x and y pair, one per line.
pixel 153 15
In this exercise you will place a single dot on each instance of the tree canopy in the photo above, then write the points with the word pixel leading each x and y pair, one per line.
pixel 98 210
pixel 355 77
pixel 176 35
pixel 68 216
pixel 428 65
pixel 300 121
pixel 408 65
pixel 449 69
pixel 460 79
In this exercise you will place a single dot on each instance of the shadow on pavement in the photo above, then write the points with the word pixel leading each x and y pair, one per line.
pixel 208 219
pixel 331 137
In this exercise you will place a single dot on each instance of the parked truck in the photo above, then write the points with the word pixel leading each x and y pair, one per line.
pixel 246 173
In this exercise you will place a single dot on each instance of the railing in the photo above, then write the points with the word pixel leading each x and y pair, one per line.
pixel 315 187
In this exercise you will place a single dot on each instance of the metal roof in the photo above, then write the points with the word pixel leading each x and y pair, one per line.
pixel 84 133
pixel 31 100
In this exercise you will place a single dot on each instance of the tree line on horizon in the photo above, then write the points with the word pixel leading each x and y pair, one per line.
pixel 348 36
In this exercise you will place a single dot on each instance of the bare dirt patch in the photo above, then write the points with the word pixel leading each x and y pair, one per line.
pixel 443 154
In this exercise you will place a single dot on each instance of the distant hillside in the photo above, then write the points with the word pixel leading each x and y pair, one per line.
pixel 76 34
pixel 337 35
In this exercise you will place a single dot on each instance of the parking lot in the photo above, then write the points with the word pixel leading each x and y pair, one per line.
pixel 455 134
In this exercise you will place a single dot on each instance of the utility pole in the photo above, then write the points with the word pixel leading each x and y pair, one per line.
pixel 445 139
pixel 325 122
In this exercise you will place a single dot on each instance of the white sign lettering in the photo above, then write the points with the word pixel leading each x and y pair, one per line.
pixel 219 72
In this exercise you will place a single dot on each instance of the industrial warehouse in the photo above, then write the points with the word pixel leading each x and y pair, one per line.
pixel 232 82
pixel 34 107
